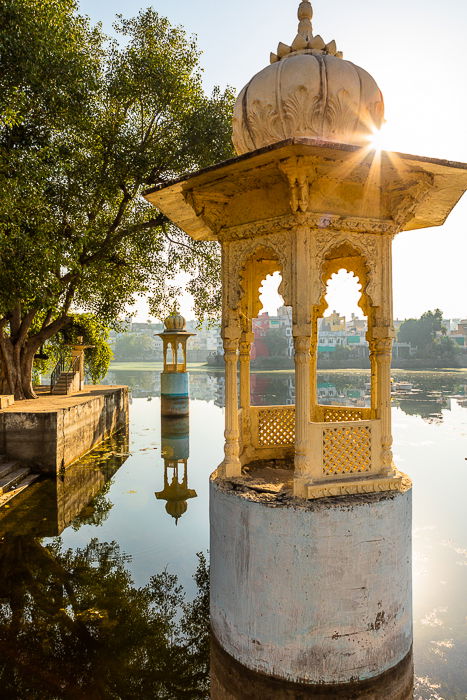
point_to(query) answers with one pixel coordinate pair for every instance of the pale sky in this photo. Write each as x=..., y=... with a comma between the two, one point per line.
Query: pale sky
x=415, y=50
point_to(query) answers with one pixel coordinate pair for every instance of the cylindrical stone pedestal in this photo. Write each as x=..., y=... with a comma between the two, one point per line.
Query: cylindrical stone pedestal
x=314, y=592
x=175, y=391
x=175, y=437
x=232, y=681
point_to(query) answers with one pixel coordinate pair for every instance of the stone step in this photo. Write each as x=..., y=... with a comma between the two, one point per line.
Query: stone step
x=19, y=488
x=7, y=467
x=12, y=479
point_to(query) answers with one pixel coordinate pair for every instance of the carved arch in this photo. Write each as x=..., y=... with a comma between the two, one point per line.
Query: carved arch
x=255, y=269
x=250, y=262
x=368, y=246
x=348, y=256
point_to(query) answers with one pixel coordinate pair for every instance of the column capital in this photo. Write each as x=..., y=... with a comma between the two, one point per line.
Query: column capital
x=380, y=346
x=231, y=331
x=230, y=345
x=382, y=332
x=246, y=339
x=302, y=345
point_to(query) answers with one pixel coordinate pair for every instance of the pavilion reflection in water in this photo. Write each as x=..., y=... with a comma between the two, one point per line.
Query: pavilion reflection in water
x=175, y=448
x=73, y=624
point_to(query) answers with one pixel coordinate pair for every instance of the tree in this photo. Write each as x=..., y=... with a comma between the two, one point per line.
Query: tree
x=74, y=625
x=420, y=333
x=276, y=342
x=86, y=125
x=428, y=335
x=135, y=346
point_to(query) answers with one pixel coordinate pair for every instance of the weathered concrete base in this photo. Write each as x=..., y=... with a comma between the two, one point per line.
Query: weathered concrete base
x=311, y=591
x=50, y=432
x=175, y=391
x=232, y=681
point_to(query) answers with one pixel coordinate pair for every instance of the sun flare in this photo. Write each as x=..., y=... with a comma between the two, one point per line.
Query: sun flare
x=378, y=139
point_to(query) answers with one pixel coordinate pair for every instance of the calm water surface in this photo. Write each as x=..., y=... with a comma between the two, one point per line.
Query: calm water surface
x=102, y=594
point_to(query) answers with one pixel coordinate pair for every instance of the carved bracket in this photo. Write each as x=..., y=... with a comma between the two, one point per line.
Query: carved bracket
x=300, y=173
x=209, y=206
x=404, y=201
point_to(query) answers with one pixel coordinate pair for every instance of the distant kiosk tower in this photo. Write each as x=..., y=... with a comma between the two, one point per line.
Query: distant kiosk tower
x=311, y=573
x=174, y=378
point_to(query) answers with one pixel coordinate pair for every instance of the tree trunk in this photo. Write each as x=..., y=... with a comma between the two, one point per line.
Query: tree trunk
x=17, y=361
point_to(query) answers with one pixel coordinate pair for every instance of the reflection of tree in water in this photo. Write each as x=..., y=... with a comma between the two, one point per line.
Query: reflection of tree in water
x=345, y=382
x=73, y=625
x=142, y=383
x=270, y=389
x=96, y=512
x=431, y=394
x=430, y=411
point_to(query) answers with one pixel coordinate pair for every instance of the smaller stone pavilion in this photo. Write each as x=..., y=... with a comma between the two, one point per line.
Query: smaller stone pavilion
x=311, y=577
x=175, y=392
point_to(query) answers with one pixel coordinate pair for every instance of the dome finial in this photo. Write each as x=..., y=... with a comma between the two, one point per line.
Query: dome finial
x=305, y=13
x=305, y=41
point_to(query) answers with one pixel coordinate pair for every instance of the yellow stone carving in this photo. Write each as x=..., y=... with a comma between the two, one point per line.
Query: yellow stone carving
x=307, y=91
x=308, y=208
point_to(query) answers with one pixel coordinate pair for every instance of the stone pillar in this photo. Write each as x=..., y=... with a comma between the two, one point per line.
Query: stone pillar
x=245, y=350
x=313, y=368
x=302, y=344
x=373, y=376
x=380, y=352
x=78, y=351
x=245, y=396
x=231, y=463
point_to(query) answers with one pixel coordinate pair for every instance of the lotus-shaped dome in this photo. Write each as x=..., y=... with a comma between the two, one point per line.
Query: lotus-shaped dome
x=308, y=91
x=175, y=322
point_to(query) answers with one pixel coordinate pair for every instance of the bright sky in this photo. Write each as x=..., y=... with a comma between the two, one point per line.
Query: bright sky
x=414, y=49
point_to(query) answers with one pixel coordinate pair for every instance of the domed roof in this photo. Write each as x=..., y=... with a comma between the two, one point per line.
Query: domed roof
x=308, y=91
x=175, y=322
x=176, y=508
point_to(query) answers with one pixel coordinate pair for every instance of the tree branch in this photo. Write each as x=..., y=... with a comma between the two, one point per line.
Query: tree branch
x=185, y=245
x=155, y=222
x=47, y=318
x=15, y=321
x=25, y=326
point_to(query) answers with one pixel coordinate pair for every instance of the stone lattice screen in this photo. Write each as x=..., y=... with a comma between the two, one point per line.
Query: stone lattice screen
x=346, y=450
x=276, y=426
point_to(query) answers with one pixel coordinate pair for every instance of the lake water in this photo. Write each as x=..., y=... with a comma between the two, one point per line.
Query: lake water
x=98, y=599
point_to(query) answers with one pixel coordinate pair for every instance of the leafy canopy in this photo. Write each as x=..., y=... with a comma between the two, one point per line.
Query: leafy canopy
x=86, y=125
x=428, y=335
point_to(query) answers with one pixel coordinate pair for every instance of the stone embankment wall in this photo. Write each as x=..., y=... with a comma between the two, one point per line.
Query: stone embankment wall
x=50, y=436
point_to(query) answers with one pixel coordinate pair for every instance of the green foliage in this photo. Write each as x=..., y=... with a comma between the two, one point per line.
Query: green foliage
x=341, y=353
x=87, y=124
x=421, y=332
x=428, y=335
x=77, y=619
x=276, y=342
x=94, y=332
x=134, y=347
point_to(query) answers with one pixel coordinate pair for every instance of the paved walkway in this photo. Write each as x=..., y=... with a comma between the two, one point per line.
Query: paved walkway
x=47, y=402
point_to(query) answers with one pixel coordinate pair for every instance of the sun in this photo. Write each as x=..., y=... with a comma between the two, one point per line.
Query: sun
x=377, y=140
